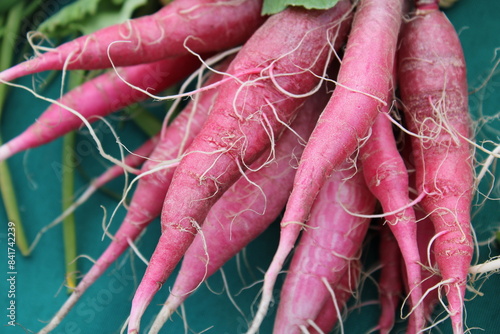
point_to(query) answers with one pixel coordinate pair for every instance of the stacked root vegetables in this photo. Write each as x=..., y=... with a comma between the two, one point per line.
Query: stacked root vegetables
x=300, y=111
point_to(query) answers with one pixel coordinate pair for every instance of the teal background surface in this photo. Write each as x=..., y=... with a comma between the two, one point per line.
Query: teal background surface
x=104, y=307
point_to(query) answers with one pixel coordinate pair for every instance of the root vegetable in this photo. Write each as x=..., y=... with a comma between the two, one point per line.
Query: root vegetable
x=243, y=212
x=246, y=119
x=201, y=25
x=364, y=81
x=433, y=85
x=327, y=247
x=98, y=98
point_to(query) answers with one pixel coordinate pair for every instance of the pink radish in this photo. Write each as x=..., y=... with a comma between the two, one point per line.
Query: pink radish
x=387, y=178
x=329, y=314
x=425, y=233
x=433, y=85
x=198, y=25
x=246, y=119
x=364, y=81
x=243, y=212
x=430, y=279
x=148, y=197
x=390, y=282
x=333, y=238
x=99, y=97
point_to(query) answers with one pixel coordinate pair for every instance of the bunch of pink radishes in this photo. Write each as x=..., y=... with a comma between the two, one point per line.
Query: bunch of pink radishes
x=322, y=113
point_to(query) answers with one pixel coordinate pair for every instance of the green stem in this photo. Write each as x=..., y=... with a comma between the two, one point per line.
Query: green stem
x=144, y=119
x=69, y=229
x=12, y=27
x=11, y=32
x=68, y=190
x=11, y=207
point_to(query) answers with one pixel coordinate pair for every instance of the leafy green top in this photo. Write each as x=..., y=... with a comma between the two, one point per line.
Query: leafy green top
x=87, y=16
x=274, y=6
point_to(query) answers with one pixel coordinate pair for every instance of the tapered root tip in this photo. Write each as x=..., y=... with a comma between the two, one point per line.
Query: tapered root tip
x=45, y=62
x=261, y=312
x=457, y=322
x=456, y=297
x=21, y=142
x=458, y=329
x=290, y=231
x=165, y=313
x=269, y=282
x=12, y=73
x=63, y=311
x=136, y=312
x=5, y=152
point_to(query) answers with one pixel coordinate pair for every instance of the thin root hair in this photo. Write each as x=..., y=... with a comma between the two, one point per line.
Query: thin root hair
x=180, y=95
x=31, y=35
x=161, y=166
x=382, y=215
x=314, y=326
x=336, y=305
x=69, y=210
x=83, y=119
x=226, y=287
x=137, y=251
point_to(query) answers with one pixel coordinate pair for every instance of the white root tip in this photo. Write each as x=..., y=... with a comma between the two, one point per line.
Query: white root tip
x=287, y=241
x=139, y=305
x=486, y=267
x=261, y=312
x=165, y=313
x=267, y=290
x=63, y=311
x=5, y=152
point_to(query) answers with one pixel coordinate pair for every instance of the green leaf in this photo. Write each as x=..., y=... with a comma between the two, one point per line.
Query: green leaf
x=275, y=6
x=87, y=16
x=6, y=5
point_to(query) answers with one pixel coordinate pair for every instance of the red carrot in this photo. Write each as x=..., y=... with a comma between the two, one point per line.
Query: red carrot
x=100, y=97
x=387, y=177
x=200, y=25
x=334, y=237
x=433, y=85
x=148, y=197
x=364, y=81
x=245, y=121
x=243, y=212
